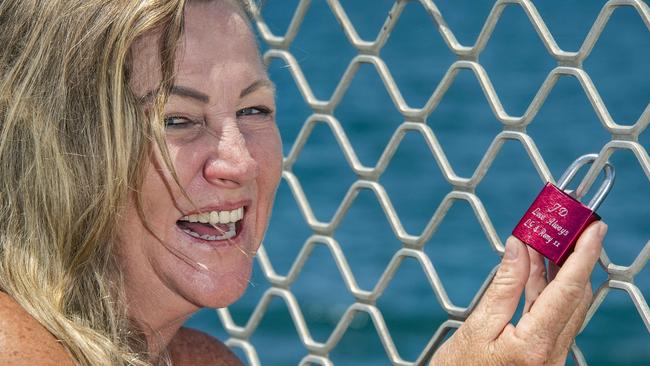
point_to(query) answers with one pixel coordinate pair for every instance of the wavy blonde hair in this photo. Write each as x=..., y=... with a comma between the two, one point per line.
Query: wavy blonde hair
x=73, y=143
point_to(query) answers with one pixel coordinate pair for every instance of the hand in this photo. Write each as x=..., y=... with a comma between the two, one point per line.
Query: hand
x=552, y=316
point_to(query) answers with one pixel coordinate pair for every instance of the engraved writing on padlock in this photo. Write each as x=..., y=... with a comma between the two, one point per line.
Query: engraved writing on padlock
x=556, y=218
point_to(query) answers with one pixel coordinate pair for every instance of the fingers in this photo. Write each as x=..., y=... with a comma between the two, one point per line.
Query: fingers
x=553, y=308
x=578, y=267
x=536, y=278
x=553, y=269
x=500, y=300
x=556, y=310
x=561, y=350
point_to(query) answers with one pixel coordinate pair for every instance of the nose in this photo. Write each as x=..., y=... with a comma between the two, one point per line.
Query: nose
x=230, y=163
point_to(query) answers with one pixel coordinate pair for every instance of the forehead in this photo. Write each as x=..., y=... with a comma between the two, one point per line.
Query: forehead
x=217, y=45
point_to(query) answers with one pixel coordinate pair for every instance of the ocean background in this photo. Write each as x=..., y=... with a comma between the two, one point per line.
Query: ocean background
x=517, y=63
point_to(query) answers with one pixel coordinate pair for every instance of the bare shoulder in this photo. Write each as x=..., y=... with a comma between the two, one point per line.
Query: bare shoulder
x=24, y=341
x=193, y=347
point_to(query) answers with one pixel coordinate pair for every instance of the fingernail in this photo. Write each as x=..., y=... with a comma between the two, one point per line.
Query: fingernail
x=602, y=230
x=512, y=249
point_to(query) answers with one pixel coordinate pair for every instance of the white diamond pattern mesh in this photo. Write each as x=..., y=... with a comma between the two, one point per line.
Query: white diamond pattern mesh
x=462, y=188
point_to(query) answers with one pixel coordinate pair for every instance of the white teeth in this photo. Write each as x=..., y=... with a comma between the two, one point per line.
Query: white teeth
x=216, y=217
x=224, y=217
x=204, y=218
x=213, y=218
x=232, y=231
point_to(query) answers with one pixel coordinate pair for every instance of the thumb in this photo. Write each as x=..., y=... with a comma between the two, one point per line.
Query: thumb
x=500, y=300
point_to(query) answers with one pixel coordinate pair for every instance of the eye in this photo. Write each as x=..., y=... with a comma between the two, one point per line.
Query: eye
x=177, y=122
x=254, y=111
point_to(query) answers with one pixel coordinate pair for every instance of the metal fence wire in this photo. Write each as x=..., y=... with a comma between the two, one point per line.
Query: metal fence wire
x=461, y=188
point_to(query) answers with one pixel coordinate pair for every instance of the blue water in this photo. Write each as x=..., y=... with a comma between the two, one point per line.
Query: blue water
x=565, y=128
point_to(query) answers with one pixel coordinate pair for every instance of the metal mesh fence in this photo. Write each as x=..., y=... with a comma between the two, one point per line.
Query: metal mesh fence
x=623, y=137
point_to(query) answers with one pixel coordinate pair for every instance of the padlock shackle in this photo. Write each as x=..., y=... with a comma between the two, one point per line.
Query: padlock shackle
x=604, y=189
x=572, y=170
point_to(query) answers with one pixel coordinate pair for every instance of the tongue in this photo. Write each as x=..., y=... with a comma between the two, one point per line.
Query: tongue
x=204, y=229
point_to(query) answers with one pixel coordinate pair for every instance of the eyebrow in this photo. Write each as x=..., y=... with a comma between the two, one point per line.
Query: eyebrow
x=258, y=84
x=187, y=92
x=180, y=91
x=190, y=93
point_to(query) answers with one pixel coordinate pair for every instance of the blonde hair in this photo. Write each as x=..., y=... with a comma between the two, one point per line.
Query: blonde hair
x=73, y=141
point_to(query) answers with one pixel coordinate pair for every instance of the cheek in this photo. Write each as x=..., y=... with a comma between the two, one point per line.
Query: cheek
x=154, y=199
x=158, y=195
x=268, y=153
x=160, y=185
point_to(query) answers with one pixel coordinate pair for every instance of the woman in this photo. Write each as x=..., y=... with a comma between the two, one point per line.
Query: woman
x=139, y=160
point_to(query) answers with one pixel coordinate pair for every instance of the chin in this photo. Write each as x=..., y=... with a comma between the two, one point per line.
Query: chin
x=215, y=289
x=210, y=273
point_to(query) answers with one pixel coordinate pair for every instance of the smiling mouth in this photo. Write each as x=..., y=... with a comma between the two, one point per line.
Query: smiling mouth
x=213, y=225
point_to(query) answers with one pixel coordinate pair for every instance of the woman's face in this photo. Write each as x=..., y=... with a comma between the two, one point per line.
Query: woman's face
x=226, y=150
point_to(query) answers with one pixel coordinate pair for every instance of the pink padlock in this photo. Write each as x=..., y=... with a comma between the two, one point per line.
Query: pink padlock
x=556, y=218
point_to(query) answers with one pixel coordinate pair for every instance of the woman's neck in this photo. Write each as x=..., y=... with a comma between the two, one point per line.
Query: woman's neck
x=157, y=311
